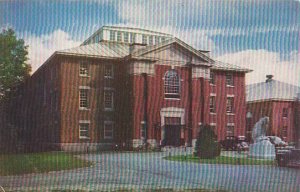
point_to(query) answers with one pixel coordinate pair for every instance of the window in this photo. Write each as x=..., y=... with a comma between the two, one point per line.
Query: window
x=132, y=37
x=285, y=112
x=212, y=78
x=229, y=80
x=84, y=129
x=172, y=84
x=156, y=40
x=126, y=37
x=112, y=35
x=83, y=98
x=144, y=40
x=229, y=130
x=108, y=71
x=97, y=38
x=108, y=100
x=83, y=69
x=212, y=104
x=108, y=129
x=119, y=36
x=150, y=40
x=284, y=132
x=229, y=105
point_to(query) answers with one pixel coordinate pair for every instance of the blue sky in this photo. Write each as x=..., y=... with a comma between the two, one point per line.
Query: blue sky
x=262, y=35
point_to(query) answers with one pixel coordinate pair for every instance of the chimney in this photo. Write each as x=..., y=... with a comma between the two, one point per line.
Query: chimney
x=269, y=78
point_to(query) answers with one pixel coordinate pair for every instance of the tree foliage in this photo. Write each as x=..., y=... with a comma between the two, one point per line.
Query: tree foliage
x=13, y=58
x=207, y=145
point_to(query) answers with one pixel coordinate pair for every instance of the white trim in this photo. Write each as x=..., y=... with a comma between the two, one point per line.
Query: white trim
x=84, y=87
x=84, y=121
x=230, y=124
x=213, y=124
x=230, y=95
x=213, y=94
x=172, y=112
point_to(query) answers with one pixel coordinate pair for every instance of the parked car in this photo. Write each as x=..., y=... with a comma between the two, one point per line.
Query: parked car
x=235, y=143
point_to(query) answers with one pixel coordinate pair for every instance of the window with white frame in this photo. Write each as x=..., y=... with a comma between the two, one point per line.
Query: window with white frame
x=230, y=130
x=229, y=80
x=108, y=130
x=119, y=36
x=108, y=100
x=144, y=39
x=83, y=69
x=108, y=71
x=83, y=98
x=229, y=105
x=156, y=40
x=132, y=37
x=126, y=37
x=212, y=104
x=112, y=35
x=284, y=132
x=150, y=40
x=84, y=127
x=212, y=78
x=172, y=84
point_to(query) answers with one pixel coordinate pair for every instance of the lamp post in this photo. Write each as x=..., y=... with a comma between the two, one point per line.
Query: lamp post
x=248, y=132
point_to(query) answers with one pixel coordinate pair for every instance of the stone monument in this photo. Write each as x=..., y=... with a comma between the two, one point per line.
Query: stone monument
x=262, y=148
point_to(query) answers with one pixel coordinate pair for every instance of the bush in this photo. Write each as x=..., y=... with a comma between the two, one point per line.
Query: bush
x=207, y=145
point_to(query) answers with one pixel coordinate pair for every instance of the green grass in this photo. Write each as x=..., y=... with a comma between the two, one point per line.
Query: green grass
x=14, y=164
x=221, y=160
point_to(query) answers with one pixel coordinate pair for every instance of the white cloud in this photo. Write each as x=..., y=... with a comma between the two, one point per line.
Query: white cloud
x=264, y=62
x=42, y=47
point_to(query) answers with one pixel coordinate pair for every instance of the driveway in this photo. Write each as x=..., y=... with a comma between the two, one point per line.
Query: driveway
x=142, y=171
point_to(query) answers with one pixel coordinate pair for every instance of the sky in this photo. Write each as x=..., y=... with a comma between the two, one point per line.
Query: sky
x=262, y=35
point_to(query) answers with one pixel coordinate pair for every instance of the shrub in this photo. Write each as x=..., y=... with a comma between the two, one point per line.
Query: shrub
x=207, y=145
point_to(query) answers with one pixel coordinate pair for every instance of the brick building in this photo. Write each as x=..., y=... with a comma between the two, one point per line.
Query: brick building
x=128, y=85
x=280, y=102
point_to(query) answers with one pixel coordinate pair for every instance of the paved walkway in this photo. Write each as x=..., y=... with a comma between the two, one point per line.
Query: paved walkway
x=143, y=171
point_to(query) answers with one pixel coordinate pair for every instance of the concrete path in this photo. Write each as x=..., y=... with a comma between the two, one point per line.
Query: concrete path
x=142, y=171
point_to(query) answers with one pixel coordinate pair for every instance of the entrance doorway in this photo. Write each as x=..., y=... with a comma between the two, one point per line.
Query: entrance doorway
x=172, y=131
x=172, y=135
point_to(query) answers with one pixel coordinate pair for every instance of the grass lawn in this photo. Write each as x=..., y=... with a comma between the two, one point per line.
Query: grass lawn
x=14, y=164
x=221, y=160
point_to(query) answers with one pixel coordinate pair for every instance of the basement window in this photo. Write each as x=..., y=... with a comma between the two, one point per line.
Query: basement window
x=84, y=130
x=108, y=130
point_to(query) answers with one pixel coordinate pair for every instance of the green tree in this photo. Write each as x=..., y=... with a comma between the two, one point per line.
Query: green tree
x=207, y=145
x=13, y=58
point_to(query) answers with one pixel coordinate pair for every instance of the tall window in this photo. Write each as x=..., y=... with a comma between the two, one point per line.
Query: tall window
x=84, y=69
x=212, y=104
x=84, y=130
x=119, y=36
x=229, y=130
x=229, y=105
x=112, y=35
x=83, y=98
x=150, y=40
x=108, y=100
x=108, y=71
x=126, y=37
x=156, y=40
x=132, y=37
x=172, y=84
x=108, y=130
x=284, y=132
x=212, y=78
x=285, y=112
x=229, y=80
x=144, y=40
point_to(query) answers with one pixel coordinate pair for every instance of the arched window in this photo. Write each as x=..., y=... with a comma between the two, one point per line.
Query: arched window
x=172, y=84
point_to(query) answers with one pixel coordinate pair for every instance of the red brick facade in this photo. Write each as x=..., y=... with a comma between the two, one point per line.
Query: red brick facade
x=49, y=104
